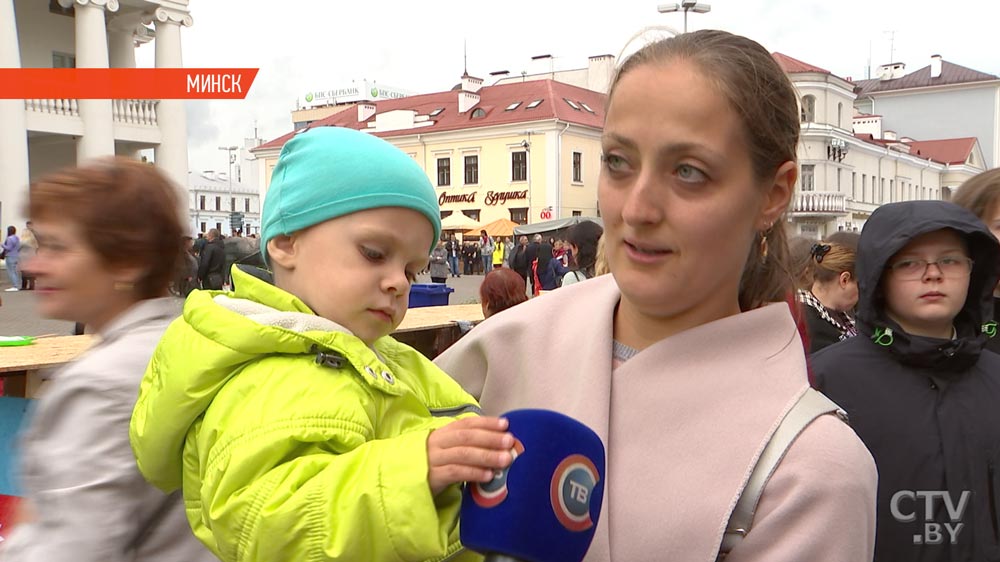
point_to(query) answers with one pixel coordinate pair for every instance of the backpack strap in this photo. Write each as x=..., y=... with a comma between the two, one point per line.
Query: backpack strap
x=810, y=406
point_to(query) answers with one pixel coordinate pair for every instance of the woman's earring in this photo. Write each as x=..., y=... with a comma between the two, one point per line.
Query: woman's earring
x=763, y=244
x=123, y=286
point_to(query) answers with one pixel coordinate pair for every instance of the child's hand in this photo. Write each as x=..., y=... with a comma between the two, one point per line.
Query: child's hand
x=467, y=450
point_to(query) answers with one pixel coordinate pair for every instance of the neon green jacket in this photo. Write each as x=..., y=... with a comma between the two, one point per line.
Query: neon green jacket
x=291, y=439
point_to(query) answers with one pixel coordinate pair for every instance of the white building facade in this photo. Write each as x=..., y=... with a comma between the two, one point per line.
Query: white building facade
x=849, y=166
x=213, y=200
x=42, y=135
x=940, y=100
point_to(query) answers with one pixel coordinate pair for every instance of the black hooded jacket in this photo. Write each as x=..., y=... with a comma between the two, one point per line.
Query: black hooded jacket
x=928, y=409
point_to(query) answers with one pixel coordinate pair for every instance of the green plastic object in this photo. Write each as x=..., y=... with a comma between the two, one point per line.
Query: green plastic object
x=15, y=341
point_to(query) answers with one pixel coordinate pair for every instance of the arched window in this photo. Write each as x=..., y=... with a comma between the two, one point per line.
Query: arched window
x=808, y=114
x=478, y=112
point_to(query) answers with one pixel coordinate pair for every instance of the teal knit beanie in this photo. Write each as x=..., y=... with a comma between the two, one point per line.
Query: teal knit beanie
x=328, y=172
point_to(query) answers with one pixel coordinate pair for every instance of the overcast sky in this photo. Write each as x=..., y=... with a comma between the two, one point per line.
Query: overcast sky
x=305, y=45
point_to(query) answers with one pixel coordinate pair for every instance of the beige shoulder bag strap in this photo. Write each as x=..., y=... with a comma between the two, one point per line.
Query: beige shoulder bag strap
x=810, y=406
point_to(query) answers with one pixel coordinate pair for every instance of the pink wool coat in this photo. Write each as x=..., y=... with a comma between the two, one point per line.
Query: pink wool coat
x=683, y=422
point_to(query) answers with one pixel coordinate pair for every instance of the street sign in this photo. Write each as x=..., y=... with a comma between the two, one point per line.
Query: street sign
x=236, y=221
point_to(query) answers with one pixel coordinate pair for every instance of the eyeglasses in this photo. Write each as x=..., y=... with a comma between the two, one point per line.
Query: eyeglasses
x=951, y=266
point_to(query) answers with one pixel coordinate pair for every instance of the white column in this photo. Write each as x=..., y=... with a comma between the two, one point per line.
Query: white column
x=171, y=156
x=121, y=40
x=13, y=131
x=92, y=52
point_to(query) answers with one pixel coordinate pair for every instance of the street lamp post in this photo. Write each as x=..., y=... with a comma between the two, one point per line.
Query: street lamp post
x=685, y=6
x=232, y=203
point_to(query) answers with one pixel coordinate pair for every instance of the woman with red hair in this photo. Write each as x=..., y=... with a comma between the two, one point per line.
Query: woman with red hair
x=501, y=289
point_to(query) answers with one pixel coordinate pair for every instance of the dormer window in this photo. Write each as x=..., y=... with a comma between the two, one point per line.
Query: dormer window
x=587, y=107
x=436, y=112
x=534, y=104
x=572, y=104
x=512, y=106
x=478, y=113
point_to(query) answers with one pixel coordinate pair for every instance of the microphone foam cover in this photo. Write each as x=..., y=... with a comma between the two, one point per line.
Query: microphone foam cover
x=545, y=506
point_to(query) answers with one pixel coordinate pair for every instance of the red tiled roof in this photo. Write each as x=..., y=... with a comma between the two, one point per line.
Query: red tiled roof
x=946, y=151
x=791, y=65
x=493, y=100
x=950, y=74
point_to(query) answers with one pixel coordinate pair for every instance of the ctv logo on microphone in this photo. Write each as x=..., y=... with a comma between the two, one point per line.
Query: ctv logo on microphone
x=494, y=492
x=905, y=505
x=572, y=487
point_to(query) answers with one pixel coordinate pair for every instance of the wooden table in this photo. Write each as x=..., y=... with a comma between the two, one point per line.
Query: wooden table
x=430, y=330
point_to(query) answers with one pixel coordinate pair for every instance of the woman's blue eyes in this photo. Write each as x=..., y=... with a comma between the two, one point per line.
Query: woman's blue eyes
x=690, y=174
x=684, y=172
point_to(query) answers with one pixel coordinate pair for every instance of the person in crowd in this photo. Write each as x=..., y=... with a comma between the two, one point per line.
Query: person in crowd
x=477, y=259
x=212, y=262
x=499, y=255
x=559, y=252
x=508, y=250
x=439, y=263
x=919, y=387
x=981, y=195
x=828, y=304
x=11, y=252
x=531, y=254
x=800, y=260
x=454, y=250
x=186, y=278
x=469, y=258
x=299, y=429
x=845, y=238
x=29, y=245
x=199, y=243
x=582, y=239
x=692, y=355
x=108, y=245
x=519, y=258
x=548, y=270
x=501, y=289
x=486, y=248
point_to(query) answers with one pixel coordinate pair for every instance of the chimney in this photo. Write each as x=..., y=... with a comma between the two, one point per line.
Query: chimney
x=889, y=135
x=891, y=71
x=600, y=69
x=935, y=66
x=471, y=83
x=365, y=111
x=467, y=100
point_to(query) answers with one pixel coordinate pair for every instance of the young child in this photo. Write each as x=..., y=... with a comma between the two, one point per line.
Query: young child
x=296, y=427
x=919, y=388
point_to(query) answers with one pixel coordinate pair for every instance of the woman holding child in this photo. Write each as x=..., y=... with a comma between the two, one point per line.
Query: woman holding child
x=687, y=356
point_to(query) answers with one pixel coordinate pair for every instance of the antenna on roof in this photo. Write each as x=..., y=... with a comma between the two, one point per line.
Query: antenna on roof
x=892, y=44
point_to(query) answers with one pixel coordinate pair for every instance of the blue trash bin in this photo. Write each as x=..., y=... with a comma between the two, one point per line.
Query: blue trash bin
x=429, y=294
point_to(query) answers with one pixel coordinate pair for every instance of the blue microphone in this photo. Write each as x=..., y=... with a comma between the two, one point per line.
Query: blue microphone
x=544, y=507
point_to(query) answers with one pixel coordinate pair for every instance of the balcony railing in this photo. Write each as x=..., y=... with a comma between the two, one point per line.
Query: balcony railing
x=135, y=112
x=131, y=112
x=819, y=202
x=53, y=107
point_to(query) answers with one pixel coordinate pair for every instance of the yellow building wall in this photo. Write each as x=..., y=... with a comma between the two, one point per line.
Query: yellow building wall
x=580, y=196
x=495, y=172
